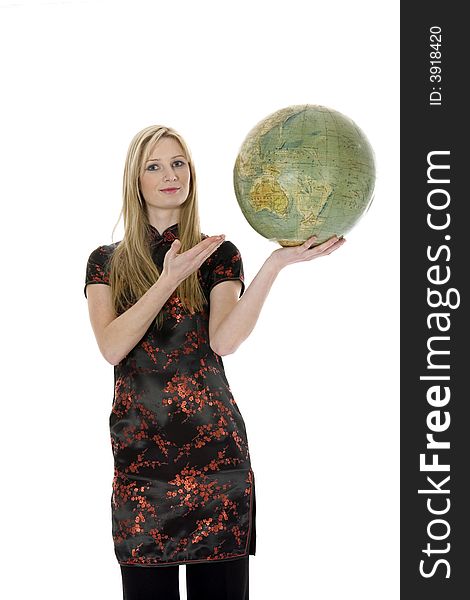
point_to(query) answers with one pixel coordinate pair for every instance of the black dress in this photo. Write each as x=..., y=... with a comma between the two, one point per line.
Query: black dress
x=183, y=486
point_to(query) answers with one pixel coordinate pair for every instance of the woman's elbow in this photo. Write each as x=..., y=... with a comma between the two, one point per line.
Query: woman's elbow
x=223, y=349
x=109, y=356
x=110, y=359
x=109, y=351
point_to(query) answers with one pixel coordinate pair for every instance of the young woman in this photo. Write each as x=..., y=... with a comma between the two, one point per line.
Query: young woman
x=167, y=303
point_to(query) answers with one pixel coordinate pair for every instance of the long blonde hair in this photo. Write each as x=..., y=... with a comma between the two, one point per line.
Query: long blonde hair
x=132, y=270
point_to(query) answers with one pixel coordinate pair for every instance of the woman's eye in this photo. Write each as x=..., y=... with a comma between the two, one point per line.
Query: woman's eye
x=178, y=163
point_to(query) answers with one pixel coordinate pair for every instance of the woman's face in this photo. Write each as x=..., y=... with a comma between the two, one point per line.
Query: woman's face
x=167, y=167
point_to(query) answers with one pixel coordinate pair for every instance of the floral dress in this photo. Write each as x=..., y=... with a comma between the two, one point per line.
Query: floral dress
x=183, y=489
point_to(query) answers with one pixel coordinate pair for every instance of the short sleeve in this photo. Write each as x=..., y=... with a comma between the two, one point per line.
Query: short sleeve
x=226, y=264
x=97, y=270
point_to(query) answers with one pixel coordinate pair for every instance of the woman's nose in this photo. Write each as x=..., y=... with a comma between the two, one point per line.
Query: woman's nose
x=169, y=175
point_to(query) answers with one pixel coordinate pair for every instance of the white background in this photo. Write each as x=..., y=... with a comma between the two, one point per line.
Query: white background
x=317, y=380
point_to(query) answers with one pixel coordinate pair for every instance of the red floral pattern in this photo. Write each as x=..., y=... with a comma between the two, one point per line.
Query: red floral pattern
x=183, y=489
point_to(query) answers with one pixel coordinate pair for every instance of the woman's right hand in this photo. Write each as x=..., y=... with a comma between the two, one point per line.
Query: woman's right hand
x=179, y=266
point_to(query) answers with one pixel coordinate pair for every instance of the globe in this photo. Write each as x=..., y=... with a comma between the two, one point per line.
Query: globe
x=304, y=170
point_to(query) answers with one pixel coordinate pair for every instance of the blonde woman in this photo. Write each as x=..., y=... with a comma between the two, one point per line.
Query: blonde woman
x=167, y=302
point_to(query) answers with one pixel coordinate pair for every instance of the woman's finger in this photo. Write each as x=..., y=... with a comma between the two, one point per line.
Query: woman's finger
x=208, y=245
x=328, y=249
x=195, y=256
x=210, y=249
x=326, y=244
x=174, y=248
x=308, y=242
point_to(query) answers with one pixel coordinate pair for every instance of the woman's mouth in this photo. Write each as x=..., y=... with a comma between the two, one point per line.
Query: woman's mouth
x=170, y=190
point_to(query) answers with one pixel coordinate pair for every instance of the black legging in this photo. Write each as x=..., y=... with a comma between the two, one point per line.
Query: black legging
x=223, y=580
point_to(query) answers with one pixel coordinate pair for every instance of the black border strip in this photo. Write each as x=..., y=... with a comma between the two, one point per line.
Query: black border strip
x=435, y=556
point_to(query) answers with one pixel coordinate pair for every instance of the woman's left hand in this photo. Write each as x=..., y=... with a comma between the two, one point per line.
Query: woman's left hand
x=292, y=254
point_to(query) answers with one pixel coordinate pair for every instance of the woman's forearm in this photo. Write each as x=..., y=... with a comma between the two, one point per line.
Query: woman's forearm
x=239, y=323
x=123, y=333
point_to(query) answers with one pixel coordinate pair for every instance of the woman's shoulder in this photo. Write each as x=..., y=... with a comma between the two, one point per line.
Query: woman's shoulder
x=225, y=262
x=97, y=268
x=104, y=251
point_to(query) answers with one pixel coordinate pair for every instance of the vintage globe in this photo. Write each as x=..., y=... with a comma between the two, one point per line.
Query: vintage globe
x=304, y=170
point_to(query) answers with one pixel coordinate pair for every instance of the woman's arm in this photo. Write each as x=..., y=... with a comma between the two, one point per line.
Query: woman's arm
x=232, y=319
x=117, y=336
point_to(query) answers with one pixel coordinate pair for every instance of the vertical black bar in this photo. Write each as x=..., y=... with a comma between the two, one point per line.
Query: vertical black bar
x=434, y=260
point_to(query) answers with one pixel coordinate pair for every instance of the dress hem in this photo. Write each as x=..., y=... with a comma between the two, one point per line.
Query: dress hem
x=250, y=542
x=187, y=562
